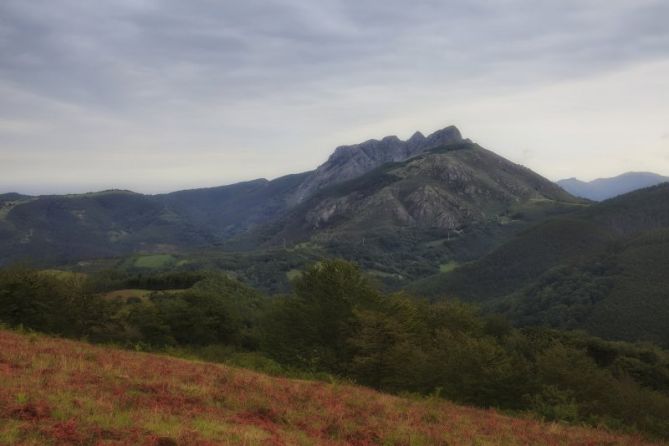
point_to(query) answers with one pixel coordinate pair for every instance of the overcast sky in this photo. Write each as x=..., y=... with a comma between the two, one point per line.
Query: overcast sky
x=158, y=95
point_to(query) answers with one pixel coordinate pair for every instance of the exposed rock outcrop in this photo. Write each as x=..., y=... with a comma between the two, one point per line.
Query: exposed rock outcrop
x=453, y=186
x=348, y=162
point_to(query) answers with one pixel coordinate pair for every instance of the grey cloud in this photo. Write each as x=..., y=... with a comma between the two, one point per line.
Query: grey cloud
x=204, y=68
x=114, y=53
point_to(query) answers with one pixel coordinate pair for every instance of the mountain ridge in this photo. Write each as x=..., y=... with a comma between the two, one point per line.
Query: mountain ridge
x=604, y=188
x=417, y=201
x=350, y=161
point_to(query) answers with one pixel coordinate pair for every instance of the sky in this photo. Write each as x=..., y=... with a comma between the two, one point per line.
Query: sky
x=161, y=95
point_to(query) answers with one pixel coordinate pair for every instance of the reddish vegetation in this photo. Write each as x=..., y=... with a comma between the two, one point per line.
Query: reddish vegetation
x=56, y=392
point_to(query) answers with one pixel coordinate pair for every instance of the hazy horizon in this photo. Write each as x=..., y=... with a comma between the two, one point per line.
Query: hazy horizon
x=159, y=96
x=63, y=189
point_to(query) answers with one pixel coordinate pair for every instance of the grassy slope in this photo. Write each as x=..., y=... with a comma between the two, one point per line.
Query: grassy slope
x=63, y=392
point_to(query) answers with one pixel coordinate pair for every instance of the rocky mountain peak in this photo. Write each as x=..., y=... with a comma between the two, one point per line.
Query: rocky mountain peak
x=416, y=139
x=351, y=161
x=367, y=148
x=446, y=135
x=391, y=139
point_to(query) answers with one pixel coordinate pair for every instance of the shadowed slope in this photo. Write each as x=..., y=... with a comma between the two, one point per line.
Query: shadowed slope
x=604, y=269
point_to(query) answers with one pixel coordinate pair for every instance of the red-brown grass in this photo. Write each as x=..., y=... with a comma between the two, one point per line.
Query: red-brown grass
x=59, y=392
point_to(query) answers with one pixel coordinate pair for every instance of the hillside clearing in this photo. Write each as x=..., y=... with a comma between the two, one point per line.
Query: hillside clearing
x=154, y=261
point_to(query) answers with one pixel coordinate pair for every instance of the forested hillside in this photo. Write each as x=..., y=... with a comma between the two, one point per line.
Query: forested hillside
x=50, y=230
x=605, y=269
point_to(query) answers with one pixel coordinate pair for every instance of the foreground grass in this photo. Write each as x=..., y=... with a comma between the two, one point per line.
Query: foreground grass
x=58, y=392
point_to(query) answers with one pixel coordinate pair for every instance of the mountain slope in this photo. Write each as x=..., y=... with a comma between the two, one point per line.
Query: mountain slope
x=63, y=392
x=604, y=269
x=619, y=294
x=519, y=262
x=71, y=227
x=229, y=210
x=450, y=195
x=605, y=188
x=53, y=229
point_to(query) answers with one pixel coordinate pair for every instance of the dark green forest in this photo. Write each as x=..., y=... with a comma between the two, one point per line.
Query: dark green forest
x=604, y=269
x=336, y=323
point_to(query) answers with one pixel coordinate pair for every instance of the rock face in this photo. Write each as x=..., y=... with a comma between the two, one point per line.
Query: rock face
x=348, y=162
x=447, y=188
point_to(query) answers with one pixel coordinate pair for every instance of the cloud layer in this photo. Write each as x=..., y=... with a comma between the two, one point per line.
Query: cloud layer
x=156, y=95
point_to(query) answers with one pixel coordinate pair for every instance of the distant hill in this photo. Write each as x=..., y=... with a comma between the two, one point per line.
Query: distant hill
x=63, y=392
x=388, y=194
x=9, y=197
x=67, y=228
x=604, y=268
x=605, y=188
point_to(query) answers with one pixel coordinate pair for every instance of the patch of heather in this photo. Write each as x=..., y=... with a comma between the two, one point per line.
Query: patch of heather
x=58, y=392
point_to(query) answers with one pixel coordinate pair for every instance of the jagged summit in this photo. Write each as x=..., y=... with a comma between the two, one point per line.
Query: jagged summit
x=350, y=161
x=446, y=135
